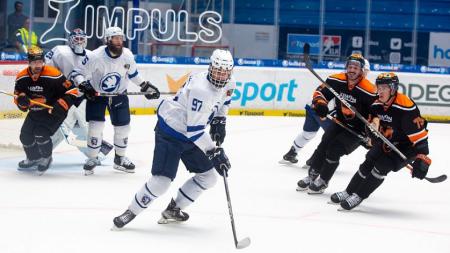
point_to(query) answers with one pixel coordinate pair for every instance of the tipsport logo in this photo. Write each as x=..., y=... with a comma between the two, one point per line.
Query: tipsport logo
x=246, y=92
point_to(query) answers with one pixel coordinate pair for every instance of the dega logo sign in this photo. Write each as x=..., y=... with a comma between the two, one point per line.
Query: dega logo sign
x=97, y=19
x=427, y=94
x=439, y=49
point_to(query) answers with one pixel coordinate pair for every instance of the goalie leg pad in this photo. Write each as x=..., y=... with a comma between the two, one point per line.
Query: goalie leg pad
x=155, y=187
x=194, y=187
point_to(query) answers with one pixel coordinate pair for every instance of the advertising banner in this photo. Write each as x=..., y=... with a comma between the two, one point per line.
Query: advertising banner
x=439, y=49
x=263, y=89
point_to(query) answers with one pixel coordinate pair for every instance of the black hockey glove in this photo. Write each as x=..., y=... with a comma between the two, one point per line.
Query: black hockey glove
x=60, y=109
x=23, y=102
x=147, y=86
x=219, y=160
x=88, y=90
x=217, y=129
x=420, y=166
x=320, y=106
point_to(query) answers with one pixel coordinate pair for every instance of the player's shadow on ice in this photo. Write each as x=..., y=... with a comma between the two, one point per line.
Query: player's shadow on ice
x=386, y=212
x=179, y=229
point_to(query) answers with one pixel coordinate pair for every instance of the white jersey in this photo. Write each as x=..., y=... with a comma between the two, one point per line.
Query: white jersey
x=107, y=73
x=186, y=115
x=64, y=59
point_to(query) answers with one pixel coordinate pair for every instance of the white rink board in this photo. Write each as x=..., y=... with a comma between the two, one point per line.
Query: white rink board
x=268, y=88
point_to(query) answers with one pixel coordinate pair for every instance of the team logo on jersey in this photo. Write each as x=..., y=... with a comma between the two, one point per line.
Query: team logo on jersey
x=126, y=66
x=110, y=82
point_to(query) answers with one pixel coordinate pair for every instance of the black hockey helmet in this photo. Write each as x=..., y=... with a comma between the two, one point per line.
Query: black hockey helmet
x=390, y=79
x=35, y=53
x=358, y=58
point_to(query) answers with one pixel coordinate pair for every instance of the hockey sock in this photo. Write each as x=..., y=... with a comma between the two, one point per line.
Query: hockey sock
x=194, y=187
x=372, y=182
x=155, y=187
x=45, y=145
x=364, y=169
x=302, y=139
x=95, y=136
x=32, y=151
x=121, y=139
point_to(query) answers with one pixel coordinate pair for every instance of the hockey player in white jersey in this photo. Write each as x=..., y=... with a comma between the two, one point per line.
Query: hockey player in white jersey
x=74, y=127
x=110, y=69
x=180, y=135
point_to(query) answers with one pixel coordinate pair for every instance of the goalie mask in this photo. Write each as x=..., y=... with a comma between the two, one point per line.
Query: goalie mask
x=78, y=41
x=220, y=68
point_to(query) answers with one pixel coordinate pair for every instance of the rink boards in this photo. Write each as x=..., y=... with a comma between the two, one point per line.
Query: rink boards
x=261, y=91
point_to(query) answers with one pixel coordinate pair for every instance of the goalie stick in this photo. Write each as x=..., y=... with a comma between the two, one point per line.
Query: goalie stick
x=307, y=60
x=113, y=94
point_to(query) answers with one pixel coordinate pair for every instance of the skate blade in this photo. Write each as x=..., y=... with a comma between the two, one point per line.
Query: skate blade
x=244, y=243
x=286, y=162
x=31, y=169
x=164, y=221
x=88, y=172
x=115, y=228
x=332, y=203
x=305, y=167
x=340, y=209
x=310, y=192
x=299, y=189
x=120, y=168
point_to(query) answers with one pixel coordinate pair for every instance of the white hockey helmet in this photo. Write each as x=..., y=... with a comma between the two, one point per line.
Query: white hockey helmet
x=220, y=68
x=113, y=31
x=366, y=68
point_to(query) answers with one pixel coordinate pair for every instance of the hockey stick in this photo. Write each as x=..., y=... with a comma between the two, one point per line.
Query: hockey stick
x=113, y=94
x=31, y=100
x=308, y=65
x=246, y=241
x=437, y=179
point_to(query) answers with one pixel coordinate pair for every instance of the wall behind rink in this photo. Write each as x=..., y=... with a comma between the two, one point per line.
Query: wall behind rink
x=261, y=90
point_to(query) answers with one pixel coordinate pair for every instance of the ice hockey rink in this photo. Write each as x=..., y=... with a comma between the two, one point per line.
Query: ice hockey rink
x=65, y=211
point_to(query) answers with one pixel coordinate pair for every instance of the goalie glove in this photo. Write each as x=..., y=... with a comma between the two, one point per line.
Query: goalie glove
x=147, y=86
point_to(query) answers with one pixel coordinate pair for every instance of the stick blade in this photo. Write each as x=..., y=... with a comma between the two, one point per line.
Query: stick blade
x=244, y=243
x=439, y=179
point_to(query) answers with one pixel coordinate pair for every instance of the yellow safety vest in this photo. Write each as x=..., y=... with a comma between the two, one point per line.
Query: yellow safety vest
x=25, y=37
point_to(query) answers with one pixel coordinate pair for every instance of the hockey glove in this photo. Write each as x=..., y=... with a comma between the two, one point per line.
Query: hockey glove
x=88, y=90
x=217, y=129
x=23, y=102
x=219, y=160
x=60, y=109
x=147, y=86
x=420, y=166
x=320, y=106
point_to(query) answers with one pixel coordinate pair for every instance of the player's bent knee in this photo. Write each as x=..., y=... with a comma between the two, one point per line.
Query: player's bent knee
x=206, y=179
x=158, y=185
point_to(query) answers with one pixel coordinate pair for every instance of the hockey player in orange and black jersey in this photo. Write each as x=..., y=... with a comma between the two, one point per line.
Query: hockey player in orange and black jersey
x=47, y=85
x=398, y=119
x=353, y=87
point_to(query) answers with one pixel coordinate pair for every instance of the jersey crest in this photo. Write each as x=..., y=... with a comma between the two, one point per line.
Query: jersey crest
x=110, y=82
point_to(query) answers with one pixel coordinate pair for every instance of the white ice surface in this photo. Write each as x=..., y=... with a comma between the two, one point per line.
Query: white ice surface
x=64, y=211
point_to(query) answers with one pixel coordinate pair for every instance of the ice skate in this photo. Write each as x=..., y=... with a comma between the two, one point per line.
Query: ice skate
x=317, y=187
x=89, y=166
x=26, y=164
x=337, y=197
x=303, y=184
x=290, y=157
x=122, y=163
x=44, y=164
x=173, y=214
x=123, y=219
x=351, y=202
